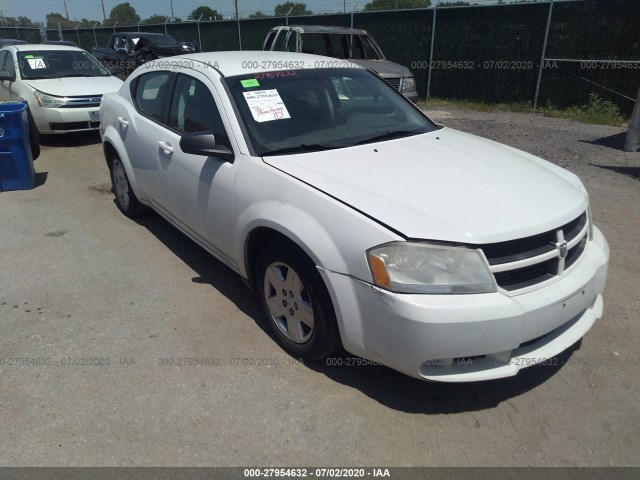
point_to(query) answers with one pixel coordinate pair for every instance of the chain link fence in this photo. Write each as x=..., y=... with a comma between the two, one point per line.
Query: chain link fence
x=564, y=50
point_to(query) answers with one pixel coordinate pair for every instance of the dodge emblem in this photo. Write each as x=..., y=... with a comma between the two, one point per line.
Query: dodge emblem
x=562, y=248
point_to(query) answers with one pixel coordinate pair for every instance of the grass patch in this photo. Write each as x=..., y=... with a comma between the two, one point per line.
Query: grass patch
x=597, y=111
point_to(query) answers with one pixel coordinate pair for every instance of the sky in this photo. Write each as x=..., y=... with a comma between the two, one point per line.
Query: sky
x=91, y=9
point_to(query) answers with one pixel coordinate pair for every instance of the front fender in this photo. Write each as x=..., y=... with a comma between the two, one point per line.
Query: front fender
x=290, y=221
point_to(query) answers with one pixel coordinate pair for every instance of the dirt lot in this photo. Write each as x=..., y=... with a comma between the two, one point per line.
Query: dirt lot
x=80, y=281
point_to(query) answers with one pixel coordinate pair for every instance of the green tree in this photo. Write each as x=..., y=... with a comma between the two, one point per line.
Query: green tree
x=297, y=8
x=54, y=18
x=258, y=14
x=25, y=22
x=207, y=13
x=86, y=23
x=155, y=19
x=124, y=14
x=395, y=4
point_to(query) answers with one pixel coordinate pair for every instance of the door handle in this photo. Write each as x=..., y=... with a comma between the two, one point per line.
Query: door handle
x=165, y=146
x=123, y=121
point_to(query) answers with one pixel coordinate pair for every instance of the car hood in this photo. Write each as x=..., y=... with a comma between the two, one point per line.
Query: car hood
x=385, y=68
x=445, y=185
x=165, y=50
x=76, y=86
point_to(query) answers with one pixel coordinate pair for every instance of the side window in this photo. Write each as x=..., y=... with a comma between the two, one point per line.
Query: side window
x=280, y=42
x=292, y=42
x=150, y=94
x=4, y=56
x=193, y=109
x=317, y=43
x=269, y=41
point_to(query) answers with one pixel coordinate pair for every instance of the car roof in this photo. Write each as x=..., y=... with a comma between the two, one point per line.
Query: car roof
x=249, y=62
x=321, y=29
x=143, y=34
x=42, y=47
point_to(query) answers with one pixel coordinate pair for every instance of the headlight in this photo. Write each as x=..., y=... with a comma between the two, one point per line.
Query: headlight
x=408, y=84
x=405, y=267
x=48, y=101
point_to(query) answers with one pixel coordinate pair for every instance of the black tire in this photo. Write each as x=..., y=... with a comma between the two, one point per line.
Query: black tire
x=126, y=200
x=293, y=333
x=34, y=137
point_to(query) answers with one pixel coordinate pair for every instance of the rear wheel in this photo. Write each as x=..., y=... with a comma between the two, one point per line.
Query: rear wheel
x=126, y=200
x=296, y=302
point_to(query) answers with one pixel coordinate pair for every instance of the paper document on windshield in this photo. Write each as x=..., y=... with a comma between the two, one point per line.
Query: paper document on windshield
x=266, y=105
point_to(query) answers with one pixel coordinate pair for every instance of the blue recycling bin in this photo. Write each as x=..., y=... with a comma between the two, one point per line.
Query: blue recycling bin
x=16, y=160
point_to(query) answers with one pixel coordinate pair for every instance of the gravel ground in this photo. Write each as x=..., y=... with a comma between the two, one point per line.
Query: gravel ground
x=79, y=280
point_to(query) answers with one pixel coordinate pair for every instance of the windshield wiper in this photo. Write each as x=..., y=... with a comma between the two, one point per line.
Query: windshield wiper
x=305, y=147
x=389, y=135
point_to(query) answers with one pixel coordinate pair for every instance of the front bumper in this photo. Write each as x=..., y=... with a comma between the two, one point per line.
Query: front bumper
x=461, y=338
x=65, y=120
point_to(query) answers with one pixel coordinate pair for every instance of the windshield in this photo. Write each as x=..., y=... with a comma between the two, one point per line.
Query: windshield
x=157, y=39
x=38, y=64
x=318, y=109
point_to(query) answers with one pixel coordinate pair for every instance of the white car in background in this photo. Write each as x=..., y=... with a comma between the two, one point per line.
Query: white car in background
x=359, y=222
x=62, y=85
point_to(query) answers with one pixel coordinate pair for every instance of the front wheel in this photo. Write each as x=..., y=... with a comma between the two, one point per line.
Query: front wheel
x=296, y=302
x=126, y=200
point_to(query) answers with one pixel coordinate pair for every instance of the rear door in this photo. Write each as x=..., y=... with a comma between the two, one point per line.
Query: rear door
x=141, y=129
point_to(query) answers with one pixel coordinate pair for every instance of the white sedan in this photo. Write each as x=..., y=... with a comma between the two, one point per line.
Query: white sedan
x=359, y=222
x=62, y=85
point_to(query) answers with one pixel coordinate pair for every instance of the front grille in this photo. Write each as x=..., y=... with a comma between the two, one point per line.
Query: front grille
x=524, y=262
x=526, y=276
x=394, y=82
x=83, y=102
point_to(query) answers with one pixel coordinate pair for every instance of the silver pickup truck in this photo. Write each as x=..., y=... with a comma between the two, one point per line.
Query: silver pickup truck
x=343, y=43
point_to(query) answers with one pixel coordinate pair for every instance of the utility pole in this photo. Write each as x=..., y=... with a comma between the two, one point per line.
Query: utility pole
x=633, y=135
x=104, y=15
x=237, y=17
x=65, y=9
x=172, y=15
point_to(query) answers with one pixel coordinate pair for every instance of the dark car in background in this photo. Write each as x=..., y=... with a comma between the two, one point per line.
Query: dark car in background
x=67, y=43
x=128, y=50
x=5, y=42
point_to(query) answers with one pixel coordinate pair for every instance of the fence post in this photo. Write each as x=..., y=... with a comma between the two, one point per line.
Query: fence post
x=633, y=134
x=433, y=39
x=239, y=34
x=78, y=34
x=353, y=10
x=165, y=25
x=95, y=39
x=542, y=57
x=199, y=38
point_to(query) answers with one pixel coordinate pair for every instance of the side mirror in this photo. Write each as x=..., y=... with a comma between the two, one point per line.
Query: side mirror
x=4, y=75
x=113, y=71
x=204, y=143
x=121, y=51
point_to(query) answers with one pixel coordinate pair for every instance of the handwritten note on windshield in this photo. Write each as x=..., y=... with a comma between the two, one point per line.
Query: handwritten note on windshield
x=266, y=105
